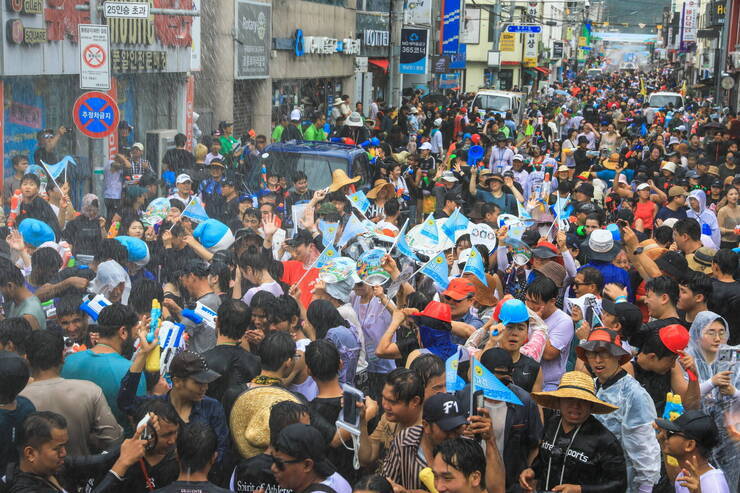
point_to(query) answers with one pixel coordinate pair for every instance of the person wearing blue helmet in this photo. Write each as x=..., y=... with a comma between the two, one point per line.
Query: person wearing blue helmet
x=511, y=333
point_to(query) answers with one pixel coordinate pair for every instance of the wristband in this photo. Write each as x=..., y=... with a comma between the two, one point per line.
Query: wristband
x=114, y=473
x=620, y=299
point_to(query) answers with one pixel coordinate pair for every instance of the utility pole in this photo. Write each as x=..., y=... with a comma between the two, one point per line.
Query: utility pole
x=394, y=74
x=495, y=18
x=721, y=60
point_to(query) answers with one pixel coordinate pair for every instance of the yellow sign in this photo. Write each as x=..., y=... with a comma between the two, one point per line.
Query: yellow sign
x=530, y=62
x=506, y=42
x=582, y=41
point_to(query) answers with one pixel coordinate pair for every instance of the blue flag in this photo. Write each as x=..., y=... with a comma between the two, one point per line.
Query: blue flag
x=430, y=229
x=453, y=381
x=328, y=232
x=404, y=247
x=326, y=256
x=490, y=385
x=57, y=169
x=437, y=269
x=359, y=201
x=195, y=211
x=456, y=222
x=475, y=266
x=353, y=228
x=524, y=215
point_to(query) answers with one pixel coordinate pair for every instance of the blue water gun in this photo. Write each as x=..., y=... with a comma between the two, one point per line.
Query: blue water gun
x=155, y=318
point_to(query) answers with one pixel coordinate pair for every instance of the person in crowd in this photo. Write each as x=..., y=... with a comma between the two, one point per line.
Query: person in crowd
x=20, y=301
x=14, y=408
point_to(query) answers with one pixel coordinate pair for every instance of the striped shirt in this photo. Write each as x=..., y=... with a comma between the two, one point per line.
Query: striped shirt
x=405, y=459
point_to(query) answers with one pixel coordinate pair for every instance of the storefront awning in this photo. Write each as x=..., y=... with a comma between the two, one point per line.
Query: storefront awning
x=544, y=70
x=380, y=62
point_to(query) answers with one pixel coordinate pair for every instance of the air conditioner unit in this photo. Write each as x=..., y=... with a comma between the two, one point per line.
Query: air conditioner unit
x=157, y=143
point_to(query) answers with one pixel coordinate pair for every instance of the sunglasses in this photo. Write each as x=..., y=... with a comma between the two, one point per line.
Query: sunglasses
x=452, y=300
x=670, y=434
x=280, y=463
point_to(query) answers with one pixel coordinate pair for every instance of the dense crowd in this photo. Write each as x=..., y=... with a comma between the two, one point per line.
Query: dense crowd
x=495, y=303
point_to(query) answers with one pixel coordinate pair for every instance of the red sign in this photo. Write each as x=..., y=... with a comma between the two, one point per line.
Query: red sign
x=189, y=101
x=113, y=137
x=94, y=56
x=96, y=114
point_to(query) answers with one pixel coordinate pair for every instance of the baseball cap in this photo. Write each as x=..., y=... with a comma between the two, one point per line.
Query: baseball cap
x=643, y=186
x=183, y=178
x=189, y=364
x=545, y=249
x=302, y=441
x=217, y=162
x=531, y=237
x=449, y=176
x=444, y=410
x=453, y=197
x=139, y=146
x=629, y=315
x=674, y=264
x=517, y=157
x=228, y=182
x=694, y=425
x=426, y=146
x=676, y=191
x=459, y=289
x=496, y=358
x=586, y=188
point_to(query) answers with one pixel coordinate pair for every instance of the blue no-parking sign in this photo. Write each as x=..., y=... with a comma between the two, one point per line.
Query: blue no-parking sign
x=96, y=114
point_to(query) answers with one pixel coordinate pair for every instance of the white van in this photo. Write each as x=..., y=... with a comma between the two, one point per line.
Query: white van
x=663, y=99
x=499, y=102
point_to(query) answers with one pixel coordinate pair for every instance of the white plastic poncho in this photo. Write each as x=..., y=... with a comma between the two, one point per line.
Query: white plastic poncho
x=717, y=405
x=632, y=424
x=109, y=276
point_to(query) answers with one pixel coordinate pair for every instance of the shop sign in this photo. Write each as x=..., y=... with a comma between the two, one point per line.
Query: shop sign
x=440, y=64
x=531, y=38
x=449, y=81
x=413, y=51
x=372, y=37
x=557, y=50
x=507, y=42
x=17, y=34
x=360, y=64
x=132, y=61
x=26, y=6
x=451, y=27
x=253, y=28
x=324, y=45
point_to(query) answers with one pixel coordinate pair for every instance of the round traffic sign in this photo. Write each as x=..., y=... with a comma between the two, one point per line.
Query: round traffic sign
x=727, y=82
x=96, y=114
x=94, y=56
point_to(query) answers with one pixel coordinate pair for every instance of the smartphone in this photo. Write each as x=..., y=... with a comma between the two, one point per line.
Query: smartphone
x=350, y=413
x=727, y=358
x=476, y=402
x=622, y=223
x=148, y=434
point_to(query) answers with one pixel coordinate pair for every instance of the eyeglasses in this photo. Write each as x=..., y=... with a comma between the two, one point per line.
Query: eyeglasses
x=452, y=300
x=280, y=463
x=715, y=333
x=584, y=284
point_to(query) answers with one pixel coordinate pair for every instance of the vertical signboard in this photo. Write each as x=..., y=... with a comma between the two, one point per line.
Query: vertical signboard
x=113, y=136
x=418, y=13
x=254, y=40
x=195, y=43
x=189, y=104
x=531, y=40
x=470, y=31
x=688, y=22
x=413, y=51
x=451, y=27
x=94, y=57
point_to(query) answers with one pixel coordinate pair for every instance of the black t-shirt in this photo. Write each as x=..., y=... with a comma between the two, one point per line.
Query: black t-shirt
x=724, y=301
x=178, y=159
x=192, y=487
x=160, y=475
x=254, y=474
x=657, y=385
x=235, y=365
x=324, y=415
x=48, y=157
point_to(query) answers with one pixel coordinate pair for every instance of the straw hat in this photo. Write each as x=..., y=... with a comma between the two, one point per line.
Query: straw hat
x=339, y=179
x=574, y=385
x=483, y=294
x=380, y=185
x=250, y=418
x=612, y=162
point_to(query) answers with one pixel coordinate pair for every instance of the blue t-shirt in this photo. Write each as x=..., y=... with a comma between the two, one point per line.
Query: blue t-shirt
x=612, y=273
x=10, y=424
x=106, y=370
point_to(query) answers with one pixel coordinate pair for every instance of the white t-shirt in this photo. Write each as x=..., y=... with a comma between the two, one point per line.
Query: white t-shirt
x=337, y=483
x=270, y=287
x=712, y=481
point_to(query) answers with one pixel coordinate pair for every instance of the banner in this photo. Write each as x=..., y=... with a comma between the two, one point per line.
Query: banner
x=418, y=13
x=688, y=22
x=413, y=51
x=470, y=31
x=451, y=27
x=254, y=40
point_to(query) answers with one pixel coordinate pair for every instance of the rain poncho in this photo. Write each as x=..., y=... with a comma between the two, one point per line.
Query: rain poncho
x=632, y=424
x=110, y=275
x=348, y=345
x=713, y=402
x=707, y=219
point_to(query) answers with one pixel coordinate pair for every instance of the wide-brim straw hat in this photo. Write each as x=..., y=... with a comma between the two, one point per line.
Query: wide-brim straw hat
x=380, y=185
x=574, y=385
x=339, y=179
x=250, y=418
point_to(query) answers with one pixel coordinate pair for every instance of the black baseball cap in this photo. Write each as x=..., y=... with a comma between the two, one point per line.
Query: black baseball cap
x=444, y=410
x=531, y=237
x=15, y=374
x=189, y=364
x=453, y=197
x=674, y=264
x=629, y=315
x=496, y=358
x=302, y=441
x=694, y=425
x=585, y=207
x=587, y=189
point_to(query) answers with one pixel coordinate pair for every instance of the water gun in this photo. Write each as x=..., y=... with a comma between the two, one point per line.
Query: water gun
x=673, y=406
x=15, y=207
x=201, y=315
x=172, y=337
x=113, y=230
x=93, y=305
x=50, y=309
x=426, y=476
x=152, y=360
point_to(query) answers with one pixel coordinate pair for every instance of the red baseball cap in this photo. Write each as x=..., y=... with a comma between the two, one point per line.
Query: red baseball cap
x=459, y=289
x=675, y=337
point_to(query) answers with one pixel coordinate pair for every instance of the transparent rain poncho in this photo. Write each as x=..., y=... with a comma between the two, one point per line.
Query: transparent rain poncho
x=110, y=275
x=726, y=455
x=632, y=424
